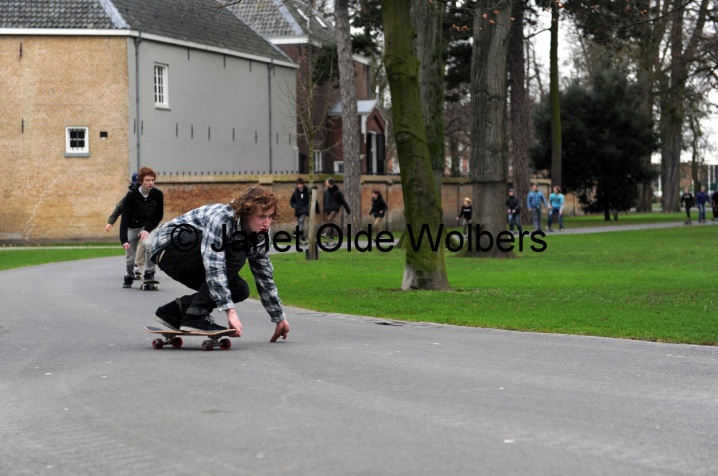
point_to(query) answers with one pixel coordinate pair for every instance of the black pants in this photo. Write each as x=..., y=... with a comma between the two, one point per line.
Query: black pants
x=187, y=268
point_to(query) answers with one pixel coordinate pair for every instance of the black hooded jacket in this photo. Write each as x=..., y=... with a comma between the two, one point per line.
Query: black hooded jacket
x=141, y=212
x=333, y=199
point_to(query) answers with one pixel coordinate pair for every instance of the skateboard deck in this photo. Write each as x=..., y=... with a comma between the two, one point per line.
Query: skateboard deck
x=173, y=338
x=150, y=285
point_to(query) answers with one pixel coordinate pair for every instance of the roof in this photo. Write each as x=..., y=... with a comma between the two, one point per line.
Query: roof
x=286, y=19
x=196, y=21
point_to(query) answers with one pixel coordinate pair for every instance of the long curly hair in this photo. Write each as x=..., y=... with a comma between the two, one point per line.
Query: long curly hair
x=246, y=203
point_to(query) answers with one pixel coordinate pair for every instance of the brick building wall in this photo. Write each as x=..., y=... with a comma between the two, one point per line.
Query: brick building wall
x=48, y=84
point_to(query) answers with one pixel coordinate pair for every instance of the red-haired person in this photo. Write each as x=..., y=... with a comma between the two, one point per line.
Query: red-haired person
x=204, y=249
x=142, y=211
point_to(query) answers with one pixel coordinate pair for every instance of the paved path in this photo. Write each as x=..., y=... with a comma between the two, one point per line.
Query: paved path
x=83, y=393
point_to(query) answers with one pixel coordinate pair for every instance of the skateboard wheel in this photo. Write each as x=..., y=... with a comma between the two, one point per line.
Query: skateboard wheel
x=157, y=344
x=176, y=342
x=207, y=345
x=225, y=344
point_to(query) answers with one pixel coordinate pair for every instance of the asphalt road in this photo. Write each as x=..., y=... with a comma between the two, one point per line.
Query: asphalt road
x=82, y=392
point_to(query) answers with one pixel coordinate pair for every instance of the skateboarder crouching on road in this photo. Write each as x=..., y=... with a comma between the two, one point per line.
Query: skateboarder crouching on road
x=205, y=248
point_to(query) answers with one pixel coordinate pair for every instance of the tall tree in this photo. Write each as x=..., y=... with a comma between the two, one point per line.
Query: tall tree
x=350, y=123
x=520, y=112
x=554, y=97
x=606, y=134
x=667, y=40
x=673, y=101
x=424, y=268
x=489, y=141
x=427, y=18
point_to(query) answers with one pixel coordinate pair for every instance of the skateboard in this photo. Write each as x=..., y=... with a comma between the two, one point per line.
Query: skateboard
x=173, y=338
x=150, y=285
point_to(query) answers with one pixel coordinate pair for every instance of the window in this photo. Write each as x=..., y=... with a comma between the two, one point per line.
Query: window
x=161, y=86
x=339, y=167
x=77, y=142
x=317, y=160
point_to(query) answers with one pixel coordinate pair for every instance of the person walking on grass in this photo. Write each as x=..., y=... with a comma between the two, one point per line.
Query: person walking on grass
x=300, y=203
x=513, y=209
x=714, y=204
x=142, y=211
x=534, y=201
x=464, y=217
x=378, y=210
x=687, y=200
x=333, y=200
x=555, y=208
x=701, y=200
x=205, y=249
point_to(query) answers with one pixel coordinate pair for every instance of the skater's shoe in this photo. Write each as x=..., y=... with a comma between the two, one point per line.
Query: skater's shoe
x=169, y=315
x=138, y=274
x=197, y=323
x=128, y=282
x=149, y=276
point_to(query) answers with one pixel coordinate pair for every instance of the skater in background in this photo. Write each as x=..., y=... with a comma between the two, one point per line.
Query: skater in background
x=112, y=219
x=142, y=211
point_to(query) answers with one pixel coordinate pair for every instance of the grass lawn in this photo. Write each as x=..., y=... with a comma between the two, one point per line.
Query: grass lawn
x=16, y=258
x=653, y=285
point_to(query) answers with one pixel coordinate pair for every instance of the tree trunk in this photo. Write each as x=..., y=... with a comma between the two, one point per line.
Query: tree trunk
x=673, y=101
x=350, y=121
x=520, y=110
x=646, y=67
x=556, y=156
x=313, y=252
x=427, y=19
x=489, y=151
x=424, y=268
x=672, y=119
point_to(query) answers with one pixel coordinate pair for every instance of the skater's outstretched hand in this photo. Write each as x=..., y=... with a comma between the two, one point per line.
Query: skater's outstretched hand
x=281, y=330
x=234, y=323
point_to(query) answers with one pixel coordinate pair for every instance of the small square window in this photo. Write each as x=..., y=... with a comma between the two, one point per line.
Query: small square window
x=77, y=142
x=161, y=86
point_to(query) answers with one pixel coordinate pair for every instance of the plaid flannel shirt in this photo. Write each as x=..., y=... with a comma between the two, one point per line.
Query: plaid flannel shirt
x=218, y=224
x=535, y=200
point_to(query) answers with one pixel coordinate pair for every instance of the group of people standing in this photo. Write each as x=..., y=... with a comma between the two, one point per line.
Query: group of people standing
x=535, y=201
x=700, y=200
x=333, y=201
